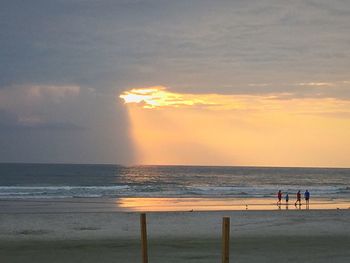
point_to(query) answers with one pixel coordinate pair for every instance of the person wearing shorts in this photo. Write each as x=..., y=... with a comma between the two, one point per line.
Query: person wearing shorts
x=287, y=198
x=307, y=197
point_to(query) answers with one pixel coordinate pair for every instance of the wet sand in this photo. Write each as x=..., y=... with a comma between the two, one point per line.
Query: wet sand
x=53, y=235
x=243, y=250
x=154, y=204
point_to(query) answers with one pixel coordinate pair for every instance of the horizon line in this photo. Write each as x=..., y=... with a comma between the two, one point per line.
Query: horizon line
x=181, y=165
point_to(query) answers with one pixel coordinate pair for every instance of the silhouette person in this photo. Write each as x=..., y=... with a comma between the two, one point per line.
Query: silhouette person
x=307, y=198
x=279, y=196
x=298, y=198
x=287, y=198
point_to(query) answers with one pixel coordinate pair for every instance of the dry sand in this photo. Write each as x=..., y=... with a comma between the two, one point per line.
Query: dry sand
x=256, y=236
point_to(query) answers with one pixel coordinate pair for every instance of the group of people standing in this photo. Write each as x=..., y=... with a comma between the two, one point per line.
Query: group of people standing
x=298, y=197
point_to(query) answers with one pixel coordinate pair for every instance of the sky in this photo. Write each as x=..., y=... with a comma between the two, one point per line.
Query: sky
x=261, y=82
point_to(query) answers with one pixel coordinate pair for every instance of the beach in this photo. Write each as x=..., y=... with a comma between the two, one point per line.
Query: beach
x=93, y=235
x=90, y=213
x=135, y=131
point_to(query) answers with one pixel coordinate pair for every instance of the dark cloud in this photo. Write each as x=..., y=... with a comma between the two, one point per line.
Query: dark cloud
x=204, y=44
x=62, y=124
x=9, y=122
x=191, y=46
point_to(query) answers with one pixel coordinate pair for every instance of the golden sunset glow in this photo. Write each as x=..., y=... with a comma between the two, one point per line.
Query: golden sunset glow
x=158, y=97
x=139, y=204
x=216, y=129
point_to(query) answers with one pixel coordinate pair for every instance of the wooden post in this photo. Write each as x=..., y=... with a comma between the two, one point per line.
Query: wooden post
x=144, y=238
x=226, y=240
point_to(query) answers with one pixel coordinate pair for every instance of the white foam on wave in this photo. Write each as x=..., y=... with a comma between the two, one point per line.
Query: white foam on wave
x=61, y=191
x=113, y=187
x=262, y=191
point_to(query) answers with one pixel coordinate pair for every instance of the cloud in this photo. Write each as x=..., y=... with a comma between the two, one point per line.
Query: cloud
x=26, y=106
x=317, y=84
x=259, y=84
x=35, y=93
x=55, y=92
x=31, y=95
x=187, y=45
x=62, y=123
x=337, y=89
x=11, y=122
x=246, y=48
x=21, y=125
x=159, y=97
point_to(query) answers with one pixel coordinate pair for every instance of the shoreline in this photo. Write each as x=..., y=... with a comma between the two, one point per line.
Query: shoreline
x=163, y=204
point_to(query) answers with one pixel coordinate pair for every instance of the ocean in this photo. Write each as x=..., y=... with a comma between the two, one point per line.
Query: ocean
x=28, y=181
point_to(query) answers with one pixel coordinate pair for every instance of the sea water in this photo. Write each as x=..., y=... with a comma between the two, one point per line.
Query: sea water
x=27, y=181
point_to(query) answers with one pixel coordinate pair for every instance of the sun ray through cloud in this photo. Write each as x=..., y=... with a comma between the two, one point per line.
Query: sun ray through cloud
x=172, y=127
